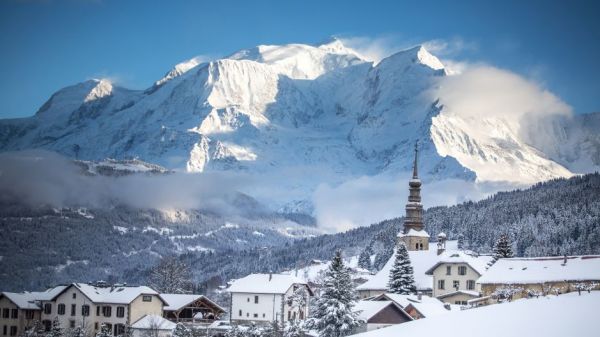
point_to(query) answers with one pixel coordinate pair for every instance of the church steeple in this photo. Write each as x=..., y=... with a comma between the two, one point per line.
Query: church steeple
x=413, y=234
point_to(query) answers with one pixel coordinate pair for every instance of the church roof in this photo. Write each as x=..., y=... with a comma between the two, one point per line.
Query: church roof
x=413, y=232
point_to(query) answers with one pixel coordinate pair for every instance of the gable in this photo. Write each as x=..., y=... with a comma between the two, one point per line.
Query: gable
x=391, y=314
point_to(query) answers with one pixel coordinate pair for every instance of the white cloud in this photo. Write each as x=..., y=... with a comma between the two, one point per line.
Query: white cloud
x=375, y=49
x=367, y=200
x=450, y=47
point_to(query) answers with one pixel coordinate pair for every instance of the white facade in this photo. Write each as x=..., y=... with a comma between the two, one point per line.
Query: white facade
x=263, y=298
x=457, y=272
x=82, y=305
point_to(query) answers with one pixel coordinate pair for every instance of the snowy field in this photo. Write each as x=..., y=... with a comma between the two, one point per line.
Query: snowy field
x=562, y=316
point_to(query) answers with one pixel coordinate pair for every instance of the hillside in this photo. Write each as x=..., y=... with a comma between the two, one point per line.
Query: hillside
x=553, y=218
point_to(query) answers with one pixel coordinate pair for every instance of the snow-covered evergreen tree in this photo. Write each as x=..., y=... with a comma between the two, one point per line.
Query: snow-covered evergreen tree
x=364, y=259
x=294, y=329
x=402, y=280
x=77, y=332
x=182, y=331
x=170, y=276
x=334, y=314
x=234, y=332
x=502, y=249
x=56, y=330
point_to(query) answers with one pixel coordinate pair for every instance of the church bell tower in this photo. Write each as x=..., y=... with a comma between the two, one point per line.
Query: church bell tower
x=413, y=235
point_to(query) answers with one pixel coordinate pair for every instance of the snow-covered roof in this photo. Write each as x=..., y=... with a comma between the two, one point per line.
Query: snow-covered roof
x=542, y=269
x=153, y=322
x=367, y=309
x=265, y=284
x=27, y=300
x=528, y=317
x=404, y=300
x=413, y=232
x=420, y=260
x=461, y=292
x=477, y=263
x=430, y=308
x=179, y=301
x=115, y=294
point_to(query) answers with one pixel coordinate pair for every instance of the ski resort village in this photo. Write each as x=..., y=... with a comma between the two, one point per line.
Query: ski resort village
x=430, y=286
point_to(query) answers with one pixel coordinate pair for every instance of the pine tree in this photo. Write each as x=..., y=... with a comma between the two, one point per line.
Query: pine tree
x=56, y=330
x=461, y=241
x=77, y=332
x=402, y=280
x=334, y=315
x=364, y=259
x=294, y=329
x=182, y=331
x=502, y=249
x=234, y=332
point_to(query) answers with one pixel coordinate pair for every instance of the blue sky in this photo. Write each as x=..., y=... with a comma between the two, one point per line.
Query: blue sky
x=49, y=44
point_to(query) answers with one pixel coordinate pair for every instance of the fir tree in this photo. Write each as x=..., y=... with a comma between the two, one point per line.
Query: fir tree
x=364, y=259
x=382, y=257
x=294, y=329
x=402, y=280
x=182, y=331
x=234, y=332
x=502, y=249
x=56, y=330
x=78, y=332
x=334, y=315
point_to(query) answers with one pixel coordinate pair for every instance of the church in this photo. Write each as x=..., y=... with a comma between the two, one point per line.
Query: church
x=416, y=239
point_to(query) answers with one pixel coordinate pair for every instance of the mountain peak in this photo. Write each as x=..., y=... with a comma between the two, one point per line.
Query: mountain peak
x=418, y=54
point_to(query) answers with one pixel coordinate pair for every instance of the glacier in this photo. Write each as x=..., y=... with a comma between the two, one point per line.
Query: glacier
x=297, y=116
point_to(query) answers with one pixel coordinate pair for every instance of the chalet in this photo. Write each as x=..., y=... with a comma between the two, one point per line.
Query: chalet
x=417, y=306
x=191, y=308
x=91, y=305
x=18, y=311
x=523, y=277
x=454, y=276
x=380, y=314
x=263, y=298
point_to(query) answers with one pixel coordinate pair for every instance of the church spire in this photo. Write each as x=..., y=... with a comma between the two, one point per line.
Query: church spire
x=415, y=172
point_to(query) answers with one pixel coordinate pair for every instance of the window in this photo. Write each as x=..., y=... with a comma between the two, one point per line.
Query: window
x=96, y=326
x=13, y=330
x=255, y=299
x=255, y=315
x=29, y=314
x=73, y=309
x=240, y=313
x=441, y=284
x=470, y=285
x=289, y=315
x=119, y=329
x=416, y=246
x=15, y=313
x=263, y=315
x=47, y=324
x=71, y=324
x=120, y=311
x=247, y=314
x=60, y=309
x=48, y=308
x=5, y=312
x=448, y=270
x=74, y=295
x=147, y=298
x=301, y=315
x=455, y=284
x=106, y=311
x=98, y=311
x=462, y=270
x=4, y=330
x=248, y=300
x=85, y=310
x=460, y=302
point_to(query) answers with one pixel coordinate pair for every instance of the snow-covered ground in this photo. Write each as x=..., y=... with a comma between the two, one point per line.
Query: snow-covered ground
x=553, y=316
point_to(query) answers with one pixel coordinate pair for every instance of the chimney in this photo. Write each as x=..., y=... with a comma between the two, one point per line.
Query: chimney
x=565, y=260
x=270, y=276
x=441, y=243
x=419, y=296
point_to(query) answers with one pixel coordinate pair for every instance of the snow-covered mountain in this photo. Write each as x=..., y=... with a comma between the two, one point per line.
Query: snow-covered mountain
x=301, y=115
